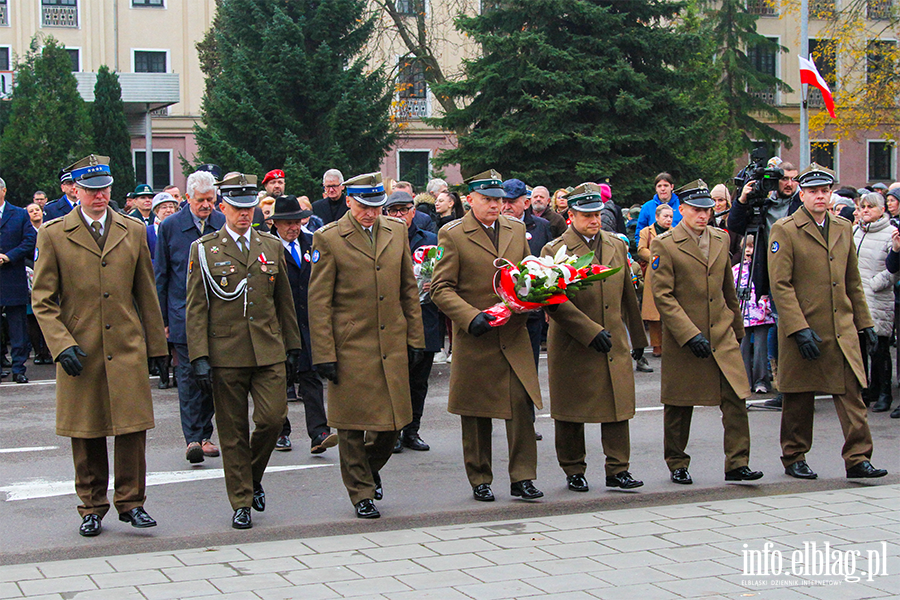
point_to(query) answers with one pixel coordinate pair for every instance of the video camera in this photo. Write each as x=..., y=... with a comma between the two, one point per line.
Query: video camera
x=766, y=178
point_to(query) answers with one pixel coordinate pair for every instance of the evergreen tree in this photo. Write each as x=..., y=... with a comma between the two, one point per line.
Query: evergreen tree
x=111, y=136
x=571, y=90
x=288, y=87
x=49, y=127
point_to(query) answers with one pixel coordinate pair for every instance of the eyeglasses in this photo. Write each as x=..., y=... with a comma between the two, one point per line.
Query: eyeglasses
x=331, y=187
x=401, y=211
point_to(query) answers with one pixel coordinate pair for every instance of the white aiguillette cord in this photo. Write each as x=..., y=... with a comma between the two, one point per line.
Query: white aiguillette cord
x=215, y=287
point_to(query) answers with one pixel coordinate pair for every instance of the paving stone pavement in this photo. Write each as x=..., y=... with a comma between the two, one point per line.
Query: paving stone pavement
x=827, y=545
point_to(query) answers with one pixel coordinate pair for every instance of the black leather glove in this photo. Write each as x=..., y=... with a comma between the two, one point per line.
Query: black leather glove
x=161, y=364
x=292, y=364
x=602, y=342
x=481, y=324
x=806, y=340
x=871, y=340
x=415, y=356
x=68, y=358
x=328, y=371
x=699, y=345
x=637, y=353
x=202, y=374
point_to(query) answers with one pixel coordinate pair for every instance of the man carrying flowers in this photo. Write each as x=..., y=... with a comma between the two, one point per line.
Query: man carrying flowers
x=588, y=335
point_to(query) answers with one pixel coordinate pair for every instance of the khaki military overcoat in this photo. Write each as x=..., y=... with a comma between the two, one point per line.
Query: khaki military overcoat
x=648, y=309
x=105, y=303
x=221, y=330
x=462, y=287
x=818, y=286
x=587, y=386
x=363, y=313
x=695, y=295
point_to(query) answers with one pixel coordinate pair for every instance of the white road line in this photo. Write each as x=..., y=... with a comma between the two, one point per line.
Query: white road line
x=30, y=449
x=42, y=488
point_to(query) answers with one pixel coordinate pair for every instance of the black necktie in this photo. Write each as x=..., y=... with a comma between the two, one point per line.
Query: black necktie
x=492, y=233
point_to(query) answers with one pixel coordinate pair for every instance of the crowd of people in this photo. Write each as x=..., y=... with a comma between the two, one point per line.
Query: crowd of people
x=246, y=291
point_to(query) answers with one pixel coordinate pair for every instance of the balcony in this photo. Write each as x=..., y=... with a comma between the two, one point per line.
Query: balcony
x=762, y=8
x=59, y=16
x=140, y=91
x=814, y=98
x=767, y=96
x=878, y=10
x=409, y=109
x=4, y=14
x=821, y=9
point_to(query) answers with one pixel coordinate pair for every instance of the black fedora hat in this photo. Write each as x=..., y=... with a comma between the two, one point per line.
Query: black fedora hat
x=287, y=207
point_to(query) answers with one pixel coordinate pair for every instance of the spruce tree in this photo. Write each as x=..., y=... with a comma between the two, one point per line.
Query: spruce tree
x=49, y=127
x=571, y=90
x=111, y=136
x=288, y=87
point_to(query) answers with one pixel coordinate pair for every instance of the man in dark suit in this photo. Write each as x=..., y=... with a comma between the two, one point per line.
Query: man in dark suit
x=64, y=204
x=17, y=238
x=173, y=247
x=333, y=206
x=288, y=226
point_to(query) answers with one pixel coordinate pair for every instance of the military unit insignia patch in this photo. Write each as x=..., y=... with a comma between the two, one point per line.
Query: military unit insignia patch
x=315, y=256
x=774, y=247
x=655, y=264
x=224, y=282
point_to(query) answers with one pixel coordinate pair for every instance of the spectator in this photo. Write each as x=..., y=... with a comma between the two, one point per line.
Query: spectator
x=757, y=321
x=333, y=205
x=17, y=239
x=448, y=207
x=164, y=204
x=631, y=230
x=404, y=186
x=175, y=193
x=722, y=199
x=426, y=214
x=893, y=202
x=662, y=222
x=540, y=207
x=436, y=187
x=844, y=207
x=608, y=220
x=665, y=185
x=873, y=241
x=274, y=183
x=38, y=344
x=40, y=198
x=880, y=188
x=35, y=215
x=559, y=202
x=143, y=204
x=64, y=204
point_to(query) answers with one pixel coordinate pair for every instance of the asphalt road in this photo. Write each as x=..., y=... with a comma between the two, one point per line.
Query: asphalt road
x=307, y=499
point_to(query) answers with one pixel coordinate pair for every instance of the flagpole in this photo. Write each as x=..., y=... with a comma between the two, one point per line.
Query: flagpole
x=804, y=88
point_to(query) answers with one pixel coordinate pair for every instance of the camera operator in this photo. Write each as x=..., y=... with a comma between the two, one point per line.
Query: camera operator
x=780, y=203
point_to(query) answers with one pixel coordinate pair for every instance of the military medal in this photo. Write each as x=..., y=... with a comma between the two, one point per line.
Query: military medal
x=271, y=278
x=231, y=270
x=224, y=282
x=263, y=268
x=214, y=249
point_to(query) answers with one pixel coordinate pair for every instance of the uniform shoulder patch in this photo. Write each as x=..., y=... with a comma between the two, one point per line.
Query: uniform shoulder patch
x=451, y=225
x=209, y=236
x=775, y=247
x=327, y=226
x=654, y=264
x=664, y=235
x=315, y=256
x=53, y=221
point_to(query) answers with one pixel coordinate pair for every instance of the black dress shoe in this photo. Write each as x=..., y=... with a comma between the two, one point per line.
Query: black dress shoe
x=259, y=497
x=365, y=509
x=398, y=447
x=577, y=483
x=90, y=526
x=623, y=480
x=20, y=378
x=483, y=493
x=379, y=490
x=4, y=374
x=883, y=404
x=743, y=474
x=537, y=436
x=865, y=470
x=773, y=403
x=138, y=517
x=283, y=444
x=414, y=442
x=682, y=476
x=323, y=442
x=895, y=414
x=800, y=470
x=525, y=489
x=241, y=519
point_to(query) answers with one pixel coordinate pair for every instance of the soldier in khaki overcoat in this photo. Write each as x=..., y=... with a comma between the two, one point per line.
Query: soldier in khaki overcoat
x=243, y=338
x=702, y=325
x=588, y=335
x=366, y=330
x=95, y=300
x=821, y=307
x=493, y=374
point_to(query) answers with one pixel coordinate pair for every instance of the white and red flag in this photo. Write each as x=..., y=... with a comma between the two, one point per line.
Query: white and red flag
x=809, y=74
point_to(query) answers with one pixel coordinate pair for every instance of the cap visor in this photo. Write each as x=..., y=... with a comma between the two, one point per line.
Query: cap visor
x=97, y=183
x=242, y=201
x=587, y=206
x=817, y=181
x=700, y=202
x=371, y=200
x=492, y=192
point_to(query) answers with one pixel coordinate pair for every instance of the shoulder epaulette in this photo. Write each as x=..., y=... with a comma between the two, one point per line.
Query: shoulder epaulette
x=664, y=234
x=267, y=235
x=54, y=221
x=844, y=219
x=135, y=219
x=451, y=224
x=208, y=236
x=326, y=227
x=396, y=219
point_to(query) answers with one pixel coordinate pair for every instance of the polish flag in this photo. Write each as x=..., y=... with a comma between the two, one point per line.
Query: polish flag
x=809, y=74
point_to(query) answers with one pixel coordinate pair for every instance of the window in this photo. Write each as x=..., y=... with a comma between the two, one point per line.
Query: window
x=59, y=13
x=4, y=58
x=162, y=167
x=881, y=161
x=762, y=8
x=821, y=9
x=880, y=62
x=412, y=91
x=150, y=3
x=75, y=57
x=413, y=167
x=764, y=58
x=824, y=153
x=150, y=61
x=4, y=12
x=410, y=7
x=824, y=56
x=878, y=10
x=6, y=76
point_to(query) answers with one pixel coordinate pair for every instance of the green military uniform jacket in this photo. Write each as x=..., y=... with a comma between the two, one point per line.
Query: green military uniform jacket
x=254, y=329
x=103, y=301
x=696, y=295
x=363, y=313
x=587, y=386
x=462, y=287
x=817, y=284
